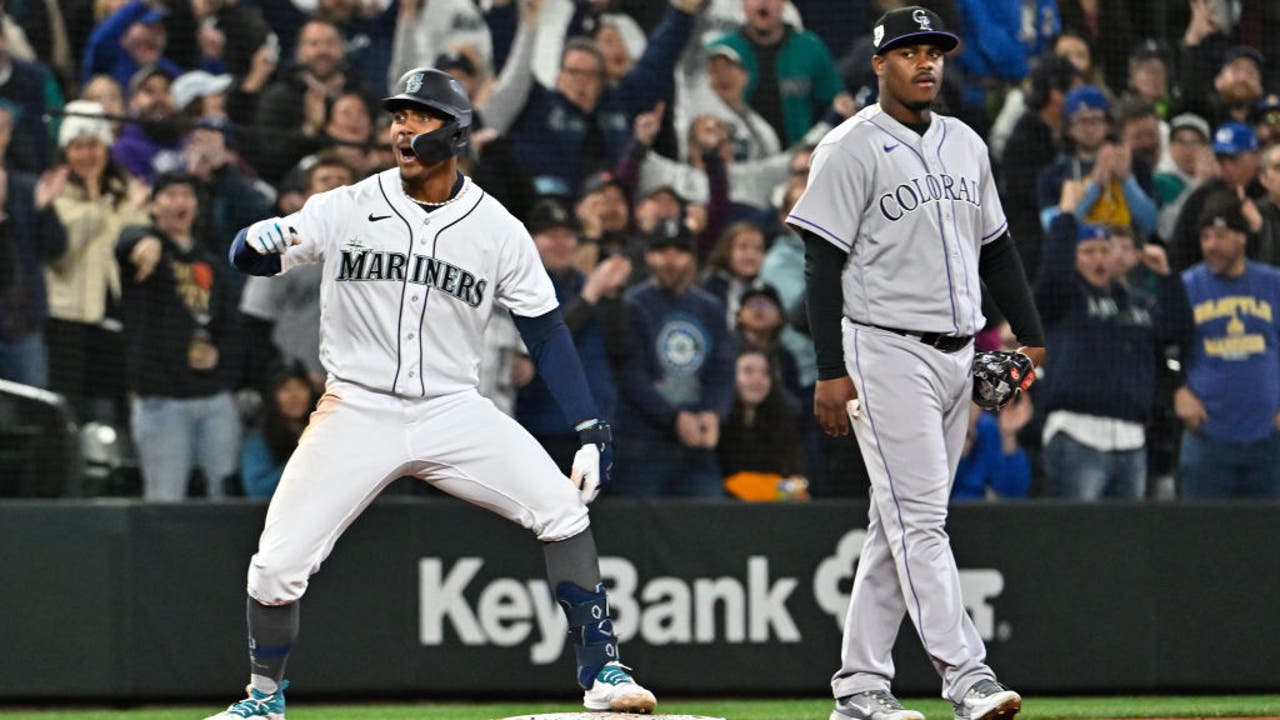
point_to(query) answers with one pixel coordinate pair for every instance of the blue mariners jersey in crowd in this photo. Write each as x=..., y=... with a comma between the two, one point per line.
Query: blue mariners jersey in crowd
x=1234, y=366
x=683, y=359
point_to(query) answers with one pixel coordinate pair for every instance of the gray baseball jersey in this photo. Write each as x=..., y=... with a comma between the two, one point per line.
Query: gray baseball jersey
x=913, y=212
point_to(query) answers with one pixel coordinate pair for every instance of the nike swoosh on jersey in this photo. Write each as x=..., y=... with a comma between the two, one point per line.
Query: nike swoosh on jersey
x=376, y=218
x=890, y=148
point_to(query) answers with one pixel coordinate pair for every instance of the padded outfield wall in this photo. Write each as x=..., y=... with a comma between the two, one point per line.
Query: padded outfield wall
x=118, y=599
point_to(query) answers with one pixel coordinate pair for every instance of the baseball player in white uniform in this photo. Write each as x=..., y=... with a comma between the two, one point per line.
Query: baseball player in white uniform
x=902, y=221
x=413, y=260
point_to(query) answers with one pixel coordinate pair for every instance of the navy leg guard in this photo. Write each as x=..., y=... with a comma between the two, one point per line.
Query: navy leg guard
x=590, y=628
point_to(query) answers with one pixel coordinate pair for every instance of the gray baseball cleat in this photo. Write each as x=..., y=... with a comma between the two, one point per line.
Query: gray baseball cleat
x=872, y=705
x=988, y=700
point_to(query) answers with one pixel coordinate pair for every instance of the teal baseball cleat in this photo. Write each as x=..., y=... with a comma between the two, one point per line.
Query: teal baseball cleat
x=614, y=690
x=257, y=705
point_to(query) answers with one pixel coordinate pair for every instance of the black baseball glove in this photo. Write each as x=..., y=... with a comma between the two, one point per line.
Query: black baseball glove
x=998, y=377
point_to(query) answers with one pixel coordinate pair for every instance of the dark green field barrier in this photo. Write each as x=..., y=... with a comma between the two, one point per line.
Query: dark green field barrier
x=428, y=597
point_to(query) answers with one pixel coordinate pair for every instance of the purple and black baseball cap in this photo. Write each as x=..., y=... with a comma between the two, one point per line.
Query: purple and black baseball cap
x=911, y=25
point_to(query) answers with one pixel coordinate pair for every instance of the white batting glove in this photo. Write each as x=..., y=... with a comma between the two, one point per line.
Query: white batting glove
x=271, y=236
x=586, y=472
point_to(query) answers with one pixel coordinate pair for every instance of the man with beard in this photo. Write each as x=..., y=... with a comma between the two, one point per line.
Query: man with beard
x=676, y=388
x=152, y=143
x=292, y=111
x=1235, y=145
x=1233, y=92
x=1230, y=405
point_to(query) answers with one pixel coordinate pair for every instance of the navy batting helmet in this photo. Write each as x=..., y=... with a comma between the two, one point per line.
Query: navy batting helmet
x=441, y=92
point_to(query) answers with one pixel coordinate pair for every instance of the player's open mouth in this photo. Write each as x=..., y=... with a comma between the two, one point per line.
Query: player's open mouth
x=406, y=153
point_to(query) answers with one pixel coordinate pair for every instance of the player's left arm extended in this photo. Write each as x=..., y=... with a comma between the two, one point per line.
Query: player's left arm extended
x=250, y=261
x=551, y=347
x=1000, y=267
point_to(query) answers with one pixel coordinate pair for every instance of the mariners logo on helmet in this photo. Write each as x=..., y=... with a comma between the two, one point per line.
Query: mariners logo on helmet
x=414, y=83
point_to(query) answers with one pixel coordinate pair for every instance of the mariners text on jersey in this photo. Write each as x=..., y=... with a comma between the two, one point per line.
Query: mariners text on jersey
x=373, y=265
x=406, y=294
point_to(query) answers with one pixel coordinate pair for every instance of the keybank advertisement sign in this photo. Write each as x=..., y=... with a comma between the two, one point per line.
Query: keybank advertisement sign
x=758, y=604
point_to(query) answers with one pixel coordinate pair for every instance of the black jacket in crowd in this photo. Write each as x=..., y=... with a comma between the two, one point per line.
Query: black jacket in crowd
x=187, y=294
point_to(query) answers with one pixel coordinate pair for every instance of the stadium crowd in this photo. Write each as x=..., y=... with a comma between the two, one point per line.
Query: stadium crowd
x=652, y=149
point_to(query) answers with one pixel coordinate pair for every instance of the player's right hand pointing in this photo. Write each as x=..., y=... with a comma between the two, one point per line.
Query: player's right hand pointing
x=271, y=236
x=832, y=404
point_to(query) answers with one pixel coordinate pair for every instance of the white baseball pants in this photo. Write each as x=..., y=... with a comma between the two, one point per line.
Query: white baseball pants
x=359, y=441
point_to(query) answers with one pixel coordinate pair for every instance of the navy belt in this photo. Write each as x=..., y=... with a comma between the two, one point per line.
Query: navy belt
x=945, y=343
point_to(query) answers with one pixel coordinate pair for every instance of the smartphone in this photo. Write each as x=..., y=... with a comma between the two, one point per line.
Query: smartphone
x=273, y=43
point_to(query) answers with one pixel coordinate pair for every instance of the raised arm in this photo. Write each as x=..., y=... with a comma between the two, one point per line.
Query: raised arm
x=511, y=91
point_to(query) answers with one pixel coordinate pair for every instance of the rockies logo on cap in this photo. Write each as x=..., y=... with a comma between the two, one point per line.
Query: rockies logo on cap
x=911, y=23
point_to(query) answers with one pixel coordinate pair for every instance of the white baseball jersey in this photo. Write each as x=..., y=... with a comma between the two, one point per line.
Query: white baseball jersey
x=404, y=300
x=913, y=213
x=406, y=294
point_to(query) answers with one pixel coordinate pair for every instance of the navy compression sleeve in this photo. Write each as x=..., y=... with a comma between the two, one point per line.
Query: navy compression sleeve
x=824, y=300
x=250, y=261
x=550, y=345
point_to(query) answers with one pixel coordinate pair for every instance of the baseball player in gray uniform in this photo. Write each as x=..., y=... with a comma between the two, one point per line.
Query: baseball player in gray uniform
x=413, y=260
x=903, y=225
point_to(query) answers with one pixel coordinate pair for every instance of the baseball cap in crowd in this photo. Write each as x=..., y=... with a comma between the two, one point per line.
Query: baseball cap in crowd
x=455, y=60
x=1085, y=97
x=1234, y=138
x=1269, y=103
x=728, y=52
x=659, y=189
x=911, y=24
x=1147, y=50
x=1222, y=209
x=764, y=290
x=599, y=181
x=1086, y=232
x=670, y=233
x=547, y=214
x=197, y=84
x=175, y=177
x=1243, y=51
x=1192, y=121
x=154, y=15
x=145, y=73
x=78, y=124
